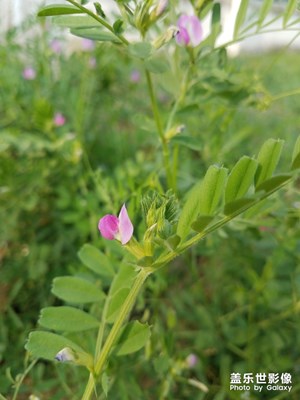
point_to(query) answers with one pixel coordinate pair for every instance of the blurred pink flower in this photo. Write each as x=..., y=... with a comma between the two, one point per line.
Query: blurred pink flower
x=55, y=46
x=92, y=62
x=135, y=76
x=120, y=228
x=59, y=119
x=88, y=44
x=190, y=31
x=191, y=360
x=29, y=73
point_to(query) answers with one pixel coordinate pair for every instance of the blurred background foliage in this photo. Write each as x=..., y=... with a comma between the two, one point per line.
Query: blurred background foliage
x=234, y=300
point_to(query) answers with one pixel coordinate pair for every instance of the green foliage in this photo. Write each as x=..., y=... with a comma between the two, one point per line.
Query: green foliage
x=58, y=9
x=76, y=290
x=66, y=319
x=95, y=260
x=133, y=337
x=46, y=344
x=232, y=300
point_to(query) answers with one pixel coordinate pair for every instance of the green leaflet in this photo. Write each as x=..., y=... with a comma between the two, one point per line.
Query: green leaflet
x=212, y=189
x=190, y=211
x=95, y=260
x=215, y=25
x=264, y=10
x=237, y=206
x=75, y=21
x=58, y=9
x=268, y=158
x=119, y=290
x=76, y=290
x=202, y=222
x=240, y=178
x=289, y=11
x=66, y=318
x=273, y=183
x=133, y=337
x=46, y=345
x=240, y=18
x=95, y=33
x=203, y=199
x=296, y=155
x=156, y=65
x=187, y=141
x=115, y=303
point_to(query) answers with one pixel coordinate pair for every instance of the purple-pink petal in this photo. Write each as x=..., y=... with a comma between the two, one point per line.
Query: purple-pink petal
x=190, y=30
x=109, y=226
x=182, y=37
x=125, y=226
x=195, y=30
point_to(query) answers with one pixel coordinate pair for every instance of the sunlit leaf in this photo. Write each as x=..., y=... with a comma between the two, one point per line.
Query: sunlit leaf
x=240, y=18
x=212, y=189
x=268, y=158
x=240, y=179
x=190, y=211
x=264, y=10
x=289, y=11
x=95, y=33
x=75, y=21
x=58, y=9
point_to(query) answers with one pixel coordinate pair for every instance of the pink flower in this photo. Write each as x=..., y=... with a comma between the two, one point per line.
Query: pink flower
x=59, y=119
x=88, y=44
x=120, y=228
x=55, y=46
x=29, y=73
x=191, y=360
x=135, y=76
x=190, y=31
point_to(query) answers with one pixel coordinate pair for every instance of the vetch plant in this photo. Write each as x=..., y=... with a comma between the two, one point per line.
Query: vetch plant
x=94, y=328
x=219, y=198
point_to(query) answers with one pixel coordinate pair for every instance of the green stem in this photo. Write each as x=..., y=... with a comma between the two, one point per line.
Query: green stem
x=99, y=19
x=166, y=155
x=20, y=381
x=110, y=341
x=286, y=94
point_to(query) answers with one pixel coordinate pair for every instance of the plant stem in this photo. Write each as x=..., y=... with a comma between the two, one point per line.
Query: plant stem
x=100, y=20
x=286, y=94
x=166, y=155
x=115, y=330
x=20, y=380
